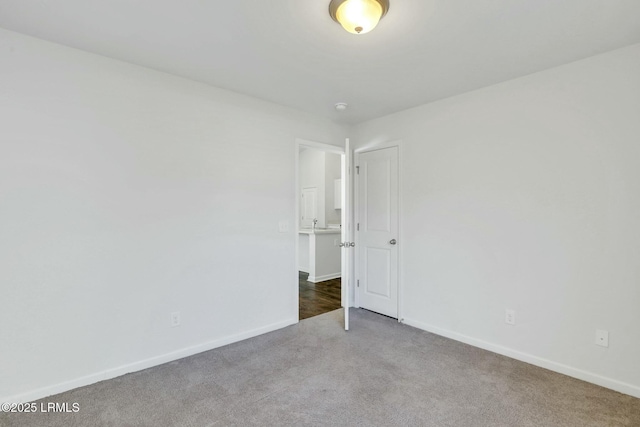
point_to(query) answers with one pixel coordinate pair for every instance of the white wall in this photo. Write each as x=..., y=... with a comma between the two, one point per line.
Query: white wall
x=526, y=195
x=126, y=194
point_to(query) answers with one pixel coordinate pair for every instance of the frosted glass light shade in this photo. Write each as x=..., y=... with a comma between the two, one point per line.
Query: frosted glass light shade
x=358, y=16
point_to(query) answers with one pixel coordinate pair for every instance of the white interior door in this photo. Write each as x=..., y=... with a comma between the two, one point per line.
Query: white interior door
x=309, y=208
x=347, y=231
x=377, y=230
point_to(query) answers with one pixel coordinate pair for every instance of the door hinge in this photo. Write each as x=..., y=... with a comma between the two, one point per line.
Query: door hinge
x=358, y=282
x=358, y=170
x=358, y=227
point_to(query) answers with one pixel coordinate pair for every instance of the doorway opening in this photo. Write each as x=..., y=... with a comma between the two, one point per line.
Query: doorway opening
x=319, y=194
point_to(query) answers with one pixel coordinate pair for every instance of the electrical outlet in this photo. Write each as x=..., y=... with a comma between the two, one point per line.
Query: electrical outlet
x=602, y=338
x=283, y=226
x=510, y=317
x=175, y=319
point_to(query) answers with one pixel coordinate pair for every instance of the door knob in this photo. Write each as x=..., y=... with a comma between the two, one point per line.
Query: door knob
x=341, y=245
x=392, y=241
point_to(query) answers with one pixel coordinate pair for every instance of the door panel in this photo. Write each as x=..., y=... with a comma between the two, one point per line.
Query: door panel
x=377, y=272
x=377, y=231
x=377, y=212
x=309, y=206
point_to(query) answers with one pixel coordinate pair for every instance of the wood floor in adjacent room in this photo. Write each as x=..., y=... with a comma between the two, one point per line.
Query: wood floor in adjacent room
x=318, y=298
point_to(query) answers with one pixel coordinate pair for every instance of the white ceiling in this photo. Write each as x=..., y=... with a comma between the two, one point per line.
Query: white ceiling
x=292, y=53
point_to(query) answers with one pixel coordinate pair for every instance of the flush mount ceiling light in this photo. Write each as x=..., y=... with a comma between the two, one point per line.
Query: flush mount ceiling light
x=358, y=16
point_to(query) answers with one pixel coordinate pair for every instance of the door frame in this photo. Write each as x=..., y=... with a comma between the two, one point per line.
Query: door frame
x=300, y=142
x=373, y=146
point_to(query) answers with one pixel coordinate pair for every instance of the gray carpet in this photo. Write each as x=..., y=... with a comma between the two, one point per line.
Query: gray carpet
x=380, y=373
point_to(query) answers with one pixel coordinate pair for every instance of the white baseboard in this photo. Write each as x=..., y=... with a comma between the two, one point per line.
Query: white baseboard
x=570, y=371
x=316, y=279
x=143, y=364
